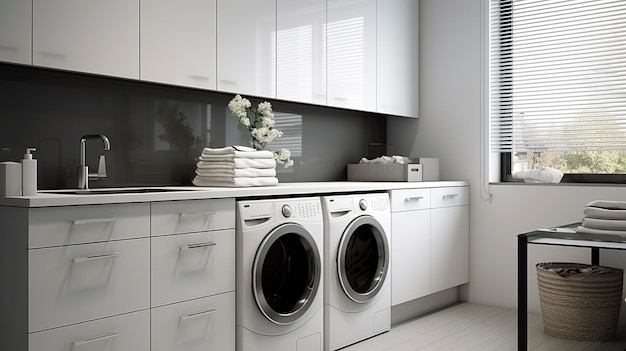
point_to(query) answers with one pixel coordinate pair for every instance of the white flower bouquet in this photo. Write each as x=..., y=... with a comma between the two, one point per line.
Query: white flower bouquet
x=259, y=121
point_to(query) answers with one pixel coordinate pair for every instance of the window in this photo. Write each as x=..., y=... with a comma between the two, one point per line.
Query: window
x=558, y=87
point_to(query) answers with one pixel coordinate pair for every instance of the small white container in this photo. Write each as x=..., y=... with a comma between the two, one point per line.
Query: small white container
x=10, y=179
x=29, y=174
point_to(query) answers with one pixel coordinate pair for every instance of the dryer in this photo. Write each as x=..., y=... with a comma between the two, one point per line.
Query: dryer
x=279, y=275
x=357, y=296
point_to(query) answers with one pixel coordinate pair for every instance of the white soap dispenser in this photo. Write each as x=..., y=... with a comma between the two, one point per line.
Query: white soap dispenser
x=29, y=173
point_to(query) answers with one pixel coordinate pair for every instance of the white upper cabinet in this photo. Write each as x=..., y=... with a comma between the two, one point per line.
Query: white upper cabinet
x=300, y=57
x=178, y=42
x=397, y=58
x=97, y=36
x=351, y=54
x=246, y=47
x=16, y=31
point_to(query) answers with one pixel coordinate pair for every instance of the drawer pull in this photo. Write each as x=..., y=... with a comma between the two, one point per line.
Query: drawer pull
x=197, y=314
x=207, y=216
x=450, y=196
x=95, y=257
x=94, y=220
x=197, y=246
x=111, y=335
x=413, y=198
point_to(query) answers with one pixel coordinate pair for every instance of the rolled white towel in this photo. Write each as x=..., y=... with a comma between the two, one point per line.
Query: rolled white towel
x=236, y=172
x=608, y=204
x=234, y=181
x=541, y=175
x=236, y=151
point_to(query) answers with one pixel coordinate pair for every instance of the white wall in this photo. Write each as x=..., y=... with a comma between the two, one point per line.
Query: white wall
x=449, y=127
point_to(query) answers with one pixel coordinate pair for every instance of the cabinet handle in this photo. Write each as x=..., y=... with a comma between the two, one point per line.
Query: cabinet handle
x=94, y=220
x=197, y=246
x=95, y=257
x=450, y=196
x=413, y=198
x=207, y=215
x=197, y=314
x=111, y=335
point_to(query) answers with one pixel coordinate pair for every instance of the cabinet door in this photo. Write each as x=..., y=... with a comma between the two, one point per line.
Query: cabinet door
x=16, y=31
x=449, y=247
x=410, y=255
x=397, y=58
x=195, y=325
x=351, y=54
x=246, y=47
x=98, y=36
x=125, y=332
x=300, y=72
x=178, y=42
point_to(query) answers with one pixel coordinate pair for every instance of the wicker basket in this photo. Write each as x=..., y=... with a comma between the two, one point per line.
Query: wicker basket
x=579, y=301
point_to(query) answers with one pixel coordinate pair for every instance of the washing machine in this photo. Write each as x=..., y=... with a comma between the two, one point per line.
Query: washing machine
x=357, y=295
x=279, y=275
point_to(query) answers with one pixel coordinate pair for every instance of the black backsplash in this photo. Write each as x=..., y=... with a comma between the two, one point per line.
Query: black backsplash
x=148, y=126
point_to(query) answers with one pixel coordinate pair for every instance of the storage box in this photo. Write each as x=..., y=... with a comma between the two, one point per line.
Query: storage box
x=393, y=172
x=10, y=179
x=430, y=168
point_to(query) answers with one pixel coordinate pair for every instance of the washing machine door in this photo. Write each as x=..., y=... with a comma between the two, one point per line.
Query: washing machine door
x=286, y=273
x=363, y=259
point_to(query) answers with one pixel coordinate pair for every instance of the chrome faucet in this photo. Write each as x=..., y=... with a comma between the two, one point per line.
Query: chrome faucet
x=83, y=170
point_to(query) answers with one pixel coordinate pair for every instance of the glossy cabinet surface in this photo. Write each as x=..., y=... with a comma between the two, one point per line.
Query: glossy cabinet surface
x=397, y=58
x=16, y=31
x=450, y=237
x=300, y=55
x=196, y=325
x=429, y=240
x=178, y=42
x=246, y=47
x=351, y=54
x=100, y=36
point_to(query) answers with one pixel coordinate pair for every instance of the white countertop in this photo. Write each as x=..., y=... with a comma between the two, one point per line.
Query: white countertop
x=45, y=199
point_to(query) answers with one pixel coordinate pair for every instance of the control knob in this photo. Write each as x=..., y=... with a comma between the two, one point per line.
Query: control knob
x=363, y=204
x=286, y=211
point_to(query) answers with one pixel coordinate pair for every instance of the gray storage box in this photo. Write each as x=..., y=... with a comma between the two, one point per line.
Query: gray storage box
x=430, y=168
x=393, y=172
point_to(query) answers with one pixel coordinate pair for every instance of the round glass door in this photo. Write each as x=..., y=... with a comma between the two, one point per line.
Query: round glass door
x=286, y=273
x=363, y=259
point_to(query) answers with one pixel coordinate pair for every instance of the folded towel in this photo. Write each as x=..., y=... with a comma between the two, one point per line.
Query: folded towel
x=234, y=181
x=585, y=230
x=385, y=160
x=606, y=224
x=236, y=151
x=236, y=172
x=239, y=163
x=603, y=213
x=609, y=205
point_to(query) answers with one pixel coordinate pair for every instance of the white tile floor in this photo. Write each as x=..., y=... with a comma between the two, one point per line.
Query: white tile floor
x=474, y=327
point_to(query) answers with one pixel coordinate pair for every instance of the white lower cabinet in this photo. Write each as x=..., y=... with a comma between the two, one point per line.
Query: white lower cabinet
x=120, y=333
x=118, y=277
x=197, y=325
x=429, y=241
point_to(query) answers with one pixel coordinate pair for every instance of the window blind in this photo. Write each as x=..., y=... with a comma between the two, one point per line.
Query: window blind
x=557, y=75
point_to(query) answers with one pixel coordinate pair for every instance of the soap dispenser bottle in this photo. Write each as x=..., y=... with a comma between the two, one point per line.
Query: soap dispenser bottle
x=29, y=174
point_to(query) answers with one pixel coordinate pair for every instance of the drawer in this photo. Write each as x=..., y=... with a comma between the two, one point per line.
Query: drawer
x=409, y=199
x=196, y=325
x=188, y=266
x=450, y=196
x=190, y=216
x=77, y=283
x=53, y=226
x=120, y=333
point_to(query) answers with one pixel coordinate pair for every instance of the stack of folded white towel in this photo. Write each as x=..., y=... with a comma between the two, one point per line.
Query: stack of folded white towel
x=235, y=166
x=604, y=217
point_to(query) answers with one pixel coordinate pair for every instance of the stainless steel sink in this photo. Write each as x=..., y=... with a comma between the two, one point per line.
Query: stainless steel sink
x=109, y=191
